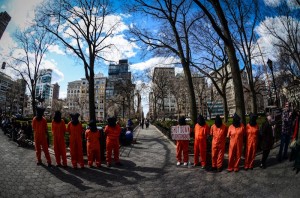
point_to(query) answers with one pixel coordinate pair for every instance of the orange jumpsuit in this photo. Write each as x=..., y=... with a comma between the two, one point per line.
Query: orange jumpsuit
x=236, y=136
x=76, y=151
x=201, y=133
x=112, y=142
x=58, y=131
x=251, y=145
x=40, y=138
x=218, y=145
x=182, y=146
x=93, y=147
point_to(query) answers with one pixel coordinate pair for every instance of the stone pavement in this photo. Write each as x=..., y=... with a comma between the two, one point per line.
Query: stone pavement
x=149, y=171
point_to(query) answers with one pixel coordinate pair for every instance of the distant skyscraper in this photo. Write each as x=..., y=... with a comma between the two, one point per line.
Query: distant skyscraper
x=55, y=91
x=4, y=20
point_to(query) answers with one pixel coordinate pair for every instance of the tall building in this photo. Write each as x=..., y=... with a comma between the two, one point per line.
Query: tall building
x=55, y=91
x=119, y=90
x=12, y=95
x=43, y=86
x=163, y=104
x=78, y=97
x=4, y=20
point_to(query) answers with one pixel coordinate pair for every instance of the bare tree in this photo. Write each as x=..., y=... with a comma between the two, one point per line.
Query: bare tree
x=171, y=38
x=82, y=27
x=285, y=33
x=33, y=44
x=215, y=13
x=243, y=17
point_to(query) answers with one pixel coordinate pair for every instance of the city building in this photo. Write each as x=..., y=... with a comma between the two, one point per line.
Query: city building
x=12, y=95
x=43, y=86
x=55, y=91
x=4, y=20
x=78, y=97
x=119, y=90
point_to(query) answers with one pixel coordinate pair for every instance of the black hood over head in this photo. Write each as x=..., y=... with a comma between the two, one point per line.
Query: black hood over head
x=57, y=116
x=40, y=113
x=236, y=121
x=74, y=118
x=218, y=121
x=93, y=126
x=181, y=121
x=201, y=120
x=112, y=121
x=252, y=120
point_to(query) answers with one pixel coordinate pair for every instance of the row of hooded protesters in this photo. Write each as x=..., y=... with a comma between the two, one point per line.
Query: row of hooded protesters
x=236, y=133
x=74, y=127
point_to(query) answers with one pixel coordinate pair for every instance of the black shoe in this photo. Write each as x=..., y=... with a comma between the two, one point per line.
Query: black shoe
x=39, y=163
x=219, y=169
x=213, y=169
x=298, y=169
x=49, y=165
x=119, y=164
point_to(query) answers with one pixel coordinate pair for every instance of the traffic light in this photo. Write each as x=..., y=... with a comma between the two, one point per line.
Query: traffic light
x=3, y=65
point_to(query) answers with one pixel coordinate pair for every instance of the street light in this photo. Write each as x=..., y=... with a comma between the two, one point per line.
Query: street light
x=270, y=64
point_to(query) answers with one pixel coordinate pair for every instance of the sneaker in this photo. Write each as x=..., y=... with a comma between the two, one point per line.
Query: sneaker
x=178, y=164
x=203, y=167
x=185, y=164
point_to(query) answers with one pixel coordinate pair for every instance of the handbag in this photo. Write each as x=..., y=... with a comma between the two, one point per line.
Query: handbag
x=293, y=144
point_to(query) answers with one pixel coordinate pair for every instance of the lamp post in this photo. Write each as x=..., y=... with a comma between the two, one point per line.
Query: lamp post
x=270, y=64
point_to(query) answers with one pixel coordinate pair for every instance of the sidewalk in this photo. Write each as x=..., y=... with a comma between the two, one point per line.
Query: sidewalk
x=149, y=170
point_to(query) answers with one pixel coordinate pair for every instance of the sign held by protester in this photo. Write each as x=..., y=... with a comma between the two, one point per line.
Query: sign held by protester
x=180, y=132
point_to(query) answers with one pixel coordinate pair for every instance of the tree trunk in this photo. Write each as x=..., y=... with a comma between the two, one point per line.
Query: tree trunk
x=226, y=112
x=92, y=96
x=193, y=106
x=237, y=82
x=33, y=103
x=254, y=99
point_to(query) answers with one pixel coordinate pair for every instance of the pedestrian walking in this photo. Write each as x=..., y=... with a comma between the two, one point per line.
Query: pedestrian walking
x=92, y=136
x=286, y=132
x=58, y=131
x=201, y=133
x=219, y=133
x=267, y=139
x=75, y=130
x=39, y=126
x=112, y=131
x=182, y=146
x=236, y=133
x=251, y=142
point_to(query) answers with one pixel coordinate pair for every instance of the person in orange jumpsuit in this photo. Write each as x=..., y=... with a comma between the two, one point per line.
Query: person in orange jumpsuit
x=219, y=132
x=92, y=136
x=58, y=131
x=201, y=134
x=251, y=142
x=75, y=130
x=182, y=146
x=112, y=131
x=236, y=133
x=39, y=126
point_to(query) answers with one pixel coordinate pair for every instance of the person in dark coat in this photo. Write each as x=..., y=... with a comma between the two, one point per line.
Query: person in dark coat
x=267, y=140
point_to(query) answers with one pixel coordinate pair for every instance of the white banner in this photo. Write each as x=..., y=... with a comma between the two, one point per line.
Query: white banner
x=180, y=132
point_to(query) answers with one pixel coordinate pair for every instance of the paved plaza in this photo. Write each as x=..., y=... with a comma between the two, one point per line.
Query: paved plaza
x=149, y=170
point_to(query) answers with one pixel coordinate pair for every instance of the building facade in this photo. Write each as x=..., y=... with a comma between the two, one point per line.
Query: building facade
x=43, y=86
x=4, y=20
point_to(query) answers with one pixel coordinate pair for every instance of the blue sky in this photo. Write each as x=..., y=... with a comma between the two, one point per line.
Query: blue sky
x=67, y=69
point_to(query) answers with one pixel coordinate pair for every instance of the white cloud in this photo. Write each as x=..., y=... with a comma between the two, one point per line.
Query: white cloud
x=155, y=62
x=273, y=3
x=56, y=49
x=22, y=13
